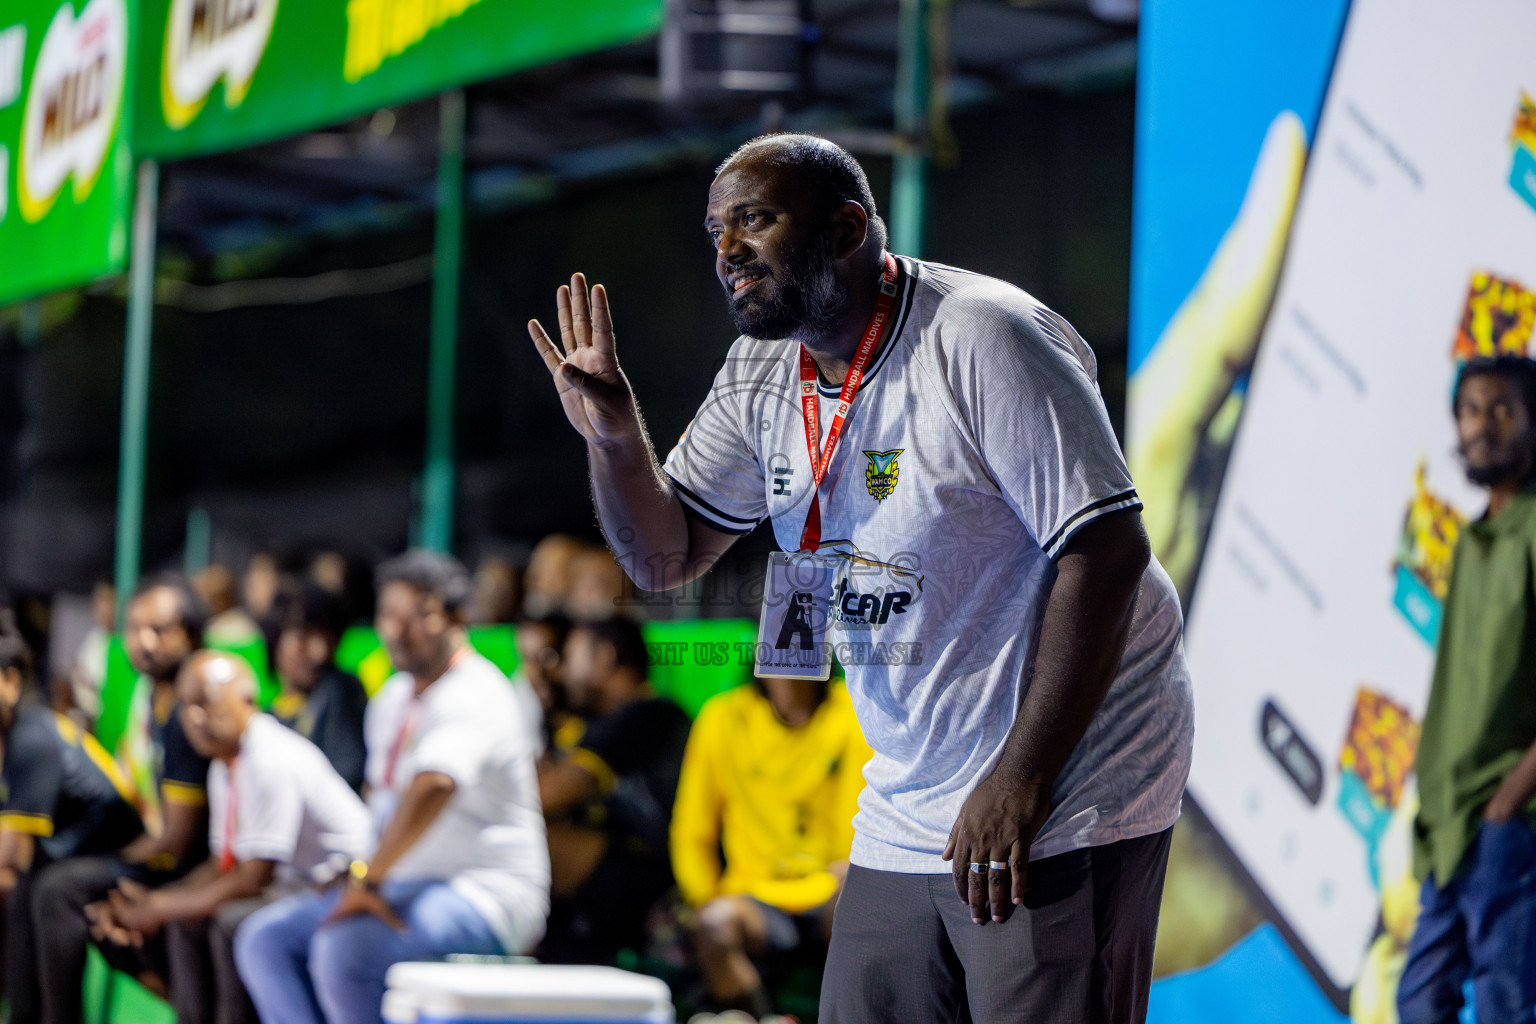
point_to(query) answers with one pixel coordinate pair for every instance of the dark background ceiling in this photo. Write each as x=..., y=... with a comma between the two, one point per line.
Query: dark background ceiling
x=288, y=395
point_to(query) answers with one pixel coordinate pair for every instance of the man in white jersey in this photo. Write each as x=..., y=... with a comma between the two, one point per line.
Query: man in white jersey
x=1012, y=650
x=279, y=819
x=461, y=864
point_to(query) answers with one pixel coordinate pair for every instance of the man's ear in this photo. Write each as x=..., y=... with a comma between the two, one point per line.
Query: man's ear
x=850, y=227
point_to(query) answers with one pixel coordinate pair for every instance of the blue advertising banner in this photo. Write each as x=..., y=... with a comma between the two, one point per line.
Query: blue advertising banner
x=1334, y=212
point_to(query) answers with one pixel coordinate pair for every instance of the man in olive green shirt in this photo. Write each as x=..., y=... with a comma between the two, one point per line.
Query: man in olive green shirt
x=1473, y=841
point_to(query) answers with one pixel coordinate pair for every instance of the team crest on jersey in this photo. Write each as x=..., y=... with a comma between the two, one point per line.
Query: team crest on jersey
x=881, y=473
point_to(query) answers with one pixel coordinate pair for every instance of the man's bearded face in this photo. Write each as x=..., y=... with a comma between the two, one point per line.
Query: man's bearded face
x=801, y=298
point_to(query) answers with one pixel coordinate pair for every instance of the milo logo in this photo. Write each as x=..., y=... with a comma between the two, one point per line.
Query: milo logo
x=73, y=103
x=209, y=40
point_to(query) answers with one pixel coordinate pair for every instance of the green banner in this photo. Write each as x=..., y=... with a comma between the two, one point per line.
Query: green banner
x=221, y=74
x=66, y=174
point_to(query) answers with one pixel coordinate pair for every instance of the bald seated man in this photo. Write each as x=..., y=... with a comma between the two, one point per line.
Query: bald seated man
x=1012, y=649
x=280, y=819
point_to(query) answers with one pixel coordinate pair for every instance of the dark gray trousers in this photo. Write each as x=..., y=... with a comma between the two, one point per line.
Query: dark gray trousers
x=20, y=954
x=1078, y=951
x=60, y=893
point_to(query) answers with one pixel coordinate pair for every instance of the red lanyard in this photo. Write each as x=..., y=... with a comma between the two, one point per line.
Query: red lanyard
x=408, y=726
x=810, y=539
x=231, y=809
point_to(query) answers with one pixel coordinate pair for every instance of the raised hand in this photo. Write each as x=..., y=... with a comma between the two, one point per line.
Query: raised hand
x=593, y=390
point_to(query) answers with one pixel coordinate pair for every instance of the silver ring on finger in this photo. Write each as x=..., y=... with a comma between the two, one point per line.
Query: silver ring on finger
x=978, y=868
x=998, y=865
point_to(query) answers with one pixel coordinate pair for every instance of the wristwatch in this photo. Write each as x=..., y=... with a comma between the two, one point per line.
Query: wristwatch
x=357, y=877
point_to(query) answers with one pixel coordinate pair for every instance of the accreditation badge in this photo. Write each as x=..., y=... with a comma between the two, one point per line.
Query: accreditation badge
x=797, y=601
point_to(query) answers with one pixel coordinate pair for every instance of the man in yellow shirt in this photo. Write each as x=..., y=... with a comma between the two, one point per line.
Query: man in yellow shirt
x=771, y=777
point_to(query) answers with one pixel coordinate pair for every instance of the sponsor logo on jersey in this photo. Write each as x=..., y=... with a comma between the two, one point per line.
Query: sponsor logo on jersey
x=856, y=609
x=782, y=475
x=882, y=472
x=72, y=104
x=206, y=40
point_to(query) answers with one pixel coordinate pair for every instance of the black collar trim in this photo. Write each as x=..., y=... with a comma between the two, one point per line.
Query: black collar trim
x=906, y=285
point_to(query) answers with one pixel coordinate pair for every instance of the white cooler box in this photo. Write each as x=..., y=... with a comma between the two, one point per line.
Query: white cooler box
x=470, y=993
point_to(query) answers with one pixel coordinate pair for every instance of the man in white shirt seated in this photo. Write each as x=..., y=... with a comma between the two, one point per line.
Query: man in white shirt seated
x=280, y=818
x=461, y=864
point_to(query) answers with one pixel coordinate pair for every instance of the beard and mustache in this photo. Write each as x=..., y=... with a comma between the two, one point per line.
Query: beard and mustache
x=1506, y=463
x=808, y=300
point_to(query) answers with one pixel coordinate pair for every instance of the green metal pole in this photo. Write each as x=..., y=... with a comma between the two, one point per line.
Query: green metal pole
x=141, y=304
x=199, y=546
x=909, y=171
x=437, y=480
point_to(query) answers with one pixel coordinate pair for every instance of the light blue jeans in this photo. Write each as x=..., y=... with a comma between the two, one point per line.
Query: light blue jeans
x=299, y=972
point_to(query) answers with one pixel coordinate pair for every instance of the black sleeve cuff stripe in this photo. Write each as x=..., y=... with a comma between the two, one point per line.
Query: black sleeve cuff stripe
x=710, y=514
x=1085, y=515
x=707, y=508
x=711, y=522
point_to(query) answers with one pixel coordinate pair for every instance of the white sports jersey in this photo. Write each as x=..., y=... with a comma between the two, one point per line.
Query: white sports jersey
x=290, y=806
x=976, y=447
x=488, y=841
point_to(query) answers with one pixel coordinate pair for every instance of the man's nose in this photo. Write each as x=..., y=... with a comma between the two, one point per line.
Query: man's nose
x=731, y=249
x=1483, y=426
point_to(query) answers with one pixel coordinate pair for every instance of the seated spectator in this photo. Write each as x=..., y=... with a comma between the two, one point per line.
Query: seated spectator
x=229, y=625
x=280, y=818
x=318, y=700
x=771, y=777
x=539, y=642
x=608, y=800
x=164, y=627
x=260, y=585
x=494, y=596
x=598, y=587
x=165, y=624
x=63, y=797
x=88, y=672
x=330, y=571
x=461, y=865
x=547, y=580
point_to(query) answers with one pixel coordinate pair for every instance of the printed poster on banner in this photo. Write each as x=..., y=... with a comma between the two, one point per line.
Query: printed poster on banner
x=66, y=174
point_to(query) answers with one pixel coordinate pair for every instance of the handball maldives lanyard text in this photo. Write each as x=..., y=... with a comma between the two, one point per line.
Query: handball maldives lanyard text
x=879, y=322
